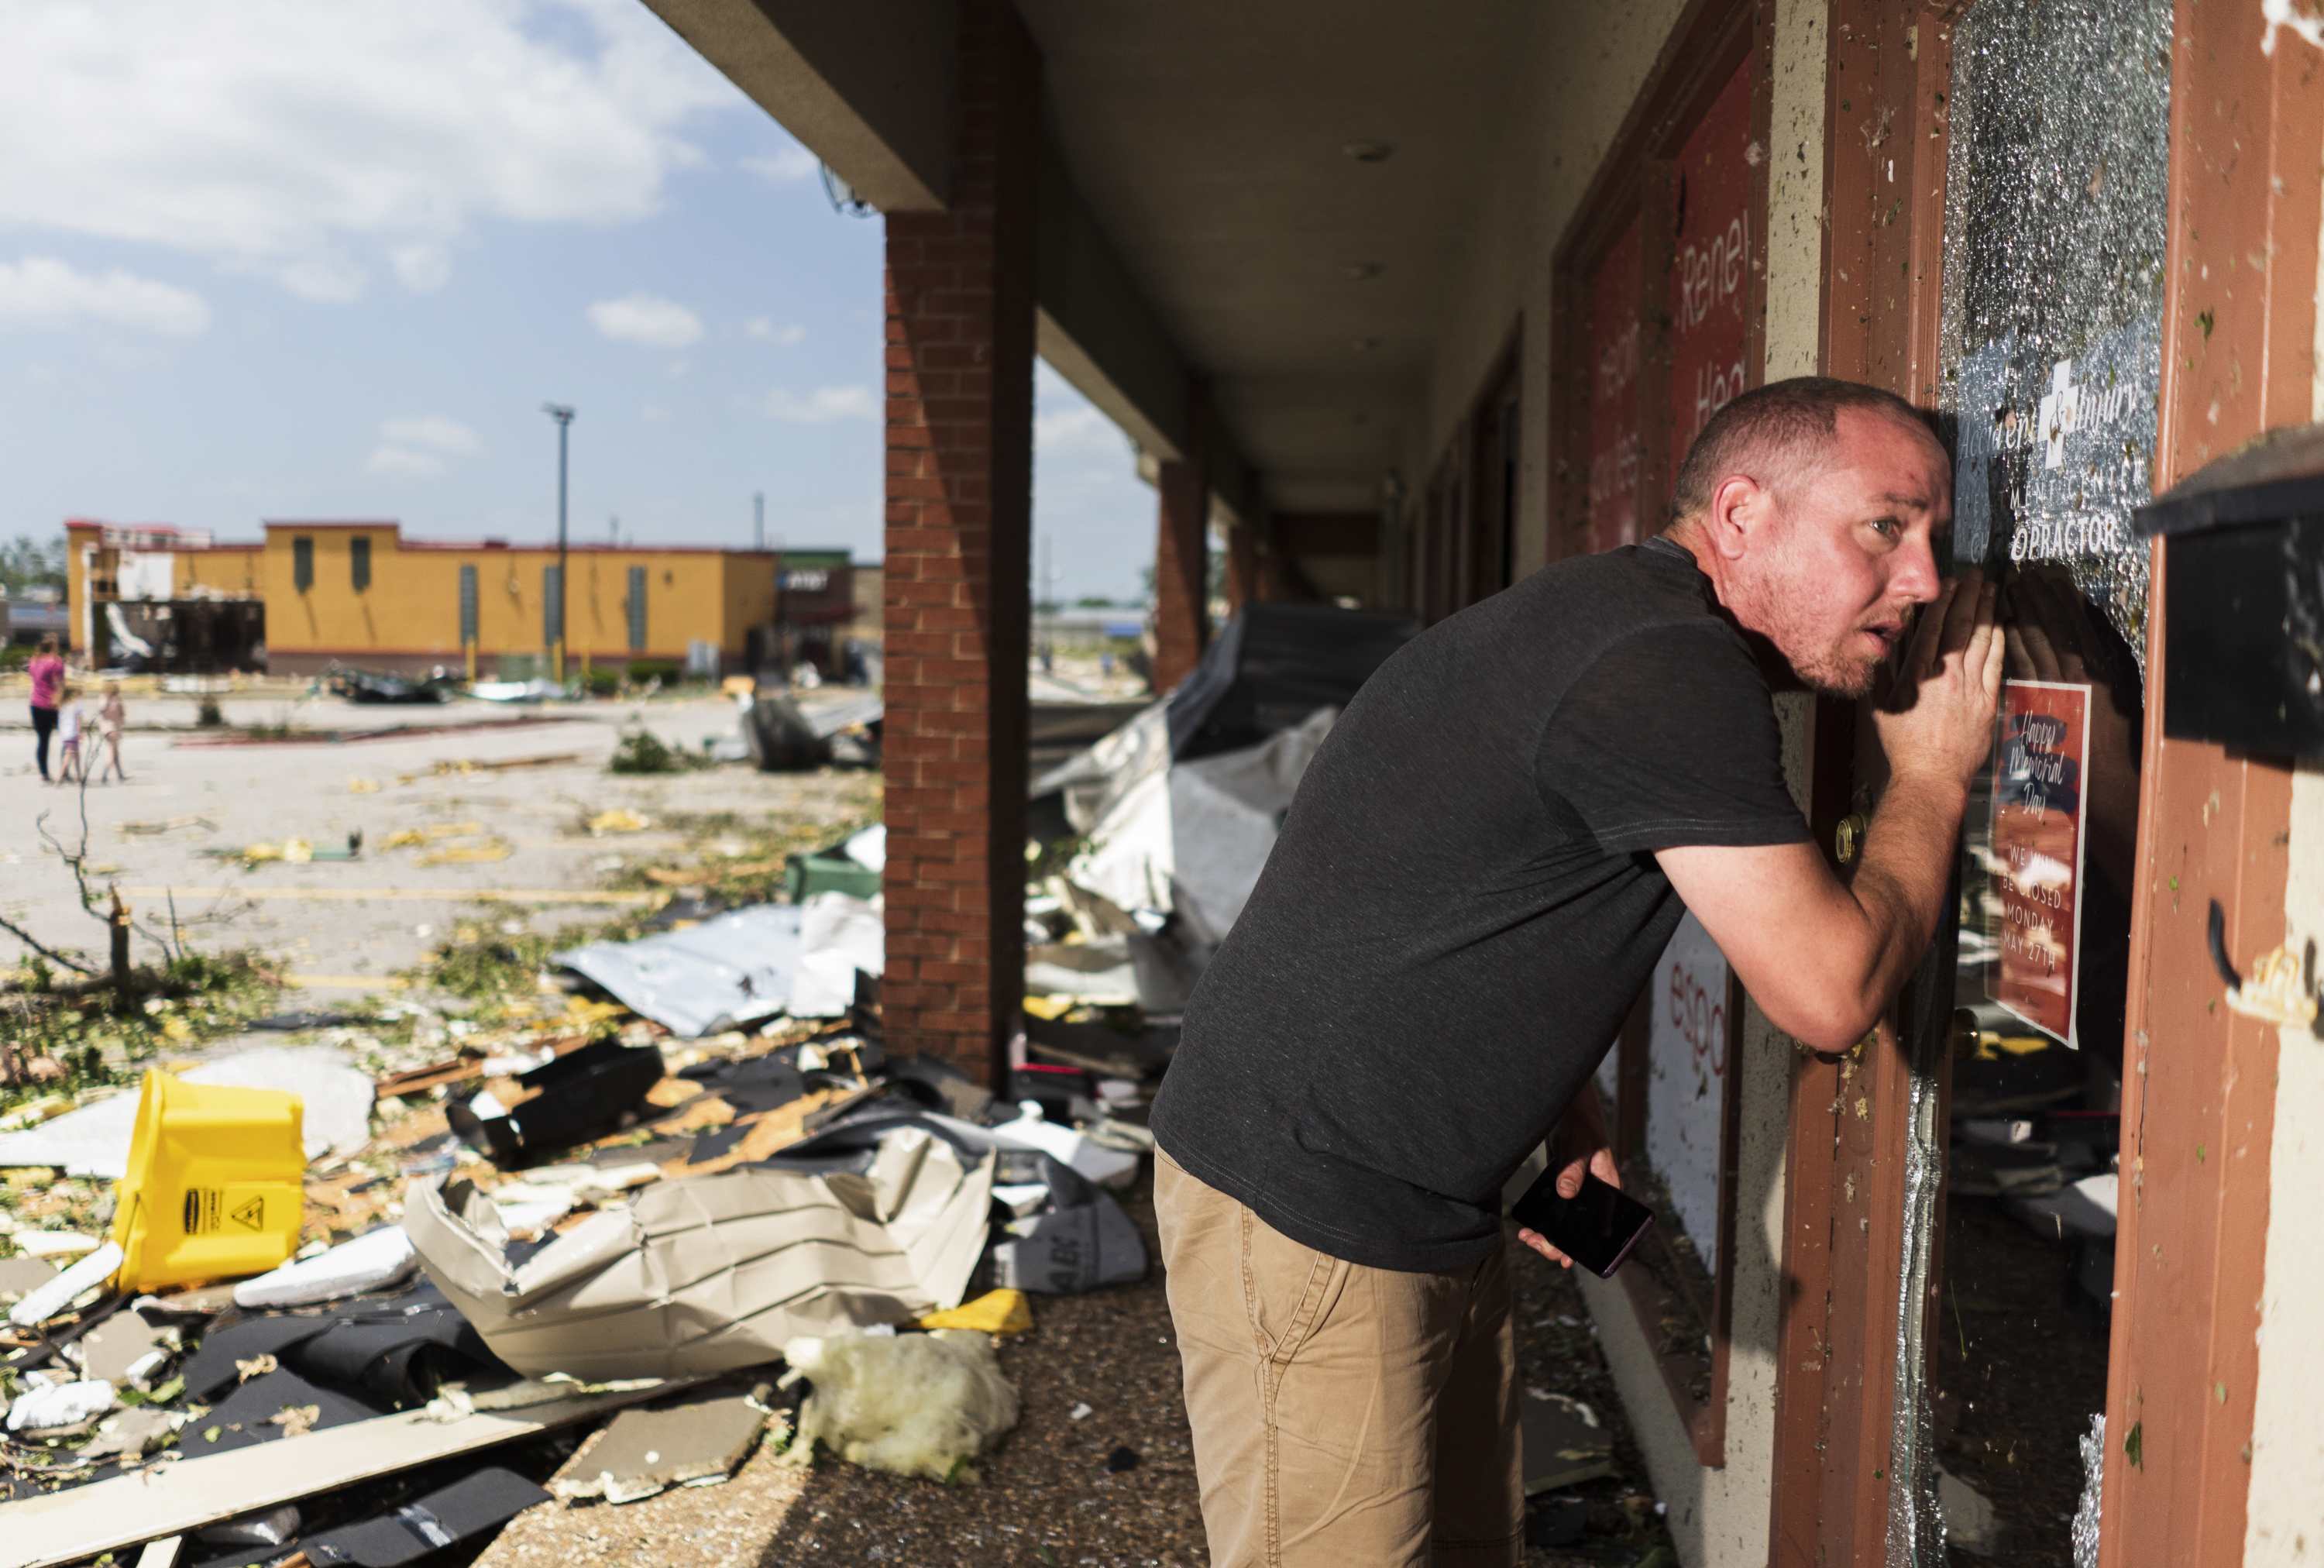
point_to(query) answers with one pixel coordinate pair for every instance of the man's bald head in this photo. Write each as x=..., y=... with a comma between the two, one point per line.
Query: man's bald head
x=1780, y=434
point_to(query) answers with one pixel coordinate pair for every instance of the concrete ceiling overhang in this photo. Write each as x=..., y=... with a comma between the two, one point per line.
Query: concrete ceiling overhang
x=1269, y=196
x=1211, y=141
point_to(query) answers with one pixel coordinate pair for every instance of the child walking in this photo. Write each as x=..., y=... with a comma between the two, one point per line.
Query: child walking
x=109, y=720
x=70, y=766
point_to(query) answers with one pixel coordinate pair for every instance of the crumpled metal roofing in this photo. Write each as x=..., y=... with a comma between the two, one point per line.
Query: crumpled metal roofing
x=729, y=971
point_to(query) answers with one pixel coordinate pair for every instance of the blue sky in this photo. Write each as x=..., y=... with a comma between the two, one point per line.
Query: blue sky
x=265, y=258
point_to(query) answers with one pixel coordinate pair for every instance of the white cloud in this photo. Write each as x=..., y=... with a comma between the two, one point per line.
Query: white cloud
x=793, y=163
x=764, y=329
x=404, y=462
x=654, y=414
x=312, y=143
x=1068, y=424
x=431, y=430
x=43, y=291
x=647, y=320
x=820, y=407
x=1085, y=430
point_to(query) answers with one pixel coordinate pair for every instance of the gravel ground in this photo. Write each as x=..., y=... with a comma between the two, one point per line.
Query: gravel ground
x=1048, y=1499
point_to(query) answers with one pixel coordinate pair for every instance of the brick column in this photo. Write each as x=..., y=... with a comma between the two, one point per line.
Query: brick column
x=1182, y=557
x=1243, y=547
x=956, y=616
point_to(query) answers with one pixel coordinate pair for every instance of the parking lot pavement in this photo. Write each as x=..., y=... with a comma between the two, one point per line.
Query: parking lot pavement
x=505, y=796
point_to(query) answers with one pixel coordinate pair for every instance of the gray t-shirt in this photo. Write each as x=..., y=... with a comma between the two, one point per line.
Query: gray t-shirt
x=1465, y=903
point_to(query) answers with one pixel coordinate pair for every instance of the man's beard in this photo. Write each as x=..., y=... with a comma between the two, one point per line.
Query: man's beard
x=1834, y=674
x=1826, y=669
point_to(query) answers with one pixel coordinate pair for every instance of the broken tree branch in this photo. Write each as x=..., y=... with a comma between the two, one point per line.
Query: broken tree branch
x=51, y=954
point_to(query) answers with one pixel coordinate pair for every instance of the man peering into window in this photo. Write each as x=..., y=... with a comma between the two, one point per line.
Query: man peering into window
x=1478, y=875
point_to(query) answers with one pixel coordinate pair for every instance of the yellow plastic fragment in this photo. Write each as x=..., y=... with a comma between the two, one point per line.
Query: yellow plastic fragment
x=620, y=819
x=996, y=1311
x=420, y=837
x=465, y=853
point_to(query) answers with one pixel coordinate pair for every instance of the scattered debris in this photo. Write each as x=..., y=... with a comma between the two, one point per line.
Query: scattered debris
x=1190, y=837
x=1971, y=1524
x=368, y=1263
x=422, y=837
x=334, y=1102
x=380, y=686
x=266, y=1527
x=47, y=1408
x=996, y=1311
x=59, y=1291
x=922, y=1404
x=1561, y=1450
x=469, y=1507
x=1091, y=1161
x=647, y=1451
x=168, y=824
x=724, y=973
x=707, y=1274
x=618, y=819
x=852, y=866
x=781, y=737
x=839, y=937
x=566, y=1099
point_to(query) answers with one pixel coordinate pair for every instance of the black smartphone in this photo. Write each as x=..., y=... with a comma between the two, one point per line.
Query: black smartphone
x=1597, y=1227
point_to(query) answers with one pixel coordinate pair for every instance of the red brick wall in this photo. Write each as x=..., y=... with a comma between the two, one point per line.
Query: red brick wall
x=959, y=510
x=1181, y=563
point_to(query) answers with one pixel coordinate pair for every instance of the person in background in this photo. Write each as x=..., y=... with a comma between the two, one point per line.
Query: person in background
x=109, y=720
x=48, y=673
x=70, y=765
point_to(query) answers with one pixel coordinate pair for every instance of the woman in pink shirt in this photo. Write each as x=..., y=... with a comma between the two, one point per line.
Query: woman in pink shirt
x=48, y=673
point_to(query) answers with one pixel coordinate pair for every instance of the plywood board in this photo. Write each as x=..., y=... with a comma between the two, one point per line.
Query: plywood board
x=182, y=1497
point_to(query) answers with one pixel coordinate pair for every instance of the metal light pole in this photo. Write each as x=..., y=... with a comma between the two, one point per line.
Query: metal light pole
x=564, y=418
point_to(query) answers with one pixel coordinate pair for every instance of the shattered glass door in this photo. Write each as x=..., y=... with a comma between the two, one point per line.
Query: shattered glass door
x=2054, y=237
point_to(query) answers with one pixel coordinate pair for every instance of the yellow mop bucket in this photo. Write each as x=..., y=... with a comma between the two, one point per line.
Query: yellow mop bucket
x=214, y=1189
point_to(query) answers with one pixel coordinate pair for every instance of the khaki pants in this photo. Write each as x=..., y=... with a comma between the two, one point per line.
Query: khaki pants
x=1343, y=1416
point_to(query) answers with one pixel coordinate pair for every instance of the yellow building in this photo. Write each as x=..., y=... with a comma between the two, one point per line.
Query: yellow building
x=360, y=593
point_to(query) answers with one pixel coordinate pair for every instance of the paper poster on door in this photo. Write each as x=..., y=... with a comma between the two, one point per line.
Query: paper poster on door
x=2038, y=823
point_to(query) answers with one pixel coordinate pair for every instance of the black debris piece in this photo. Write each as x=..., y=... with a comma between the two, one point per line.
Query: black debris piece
x=1561, y=1449
x=256, y=1413
x=950, y=1090
x=579, y=1094
x=1097, y=1048
x=394, y=1349
x=1121, y=1459
x=717, y=1142
x=266, y=1530
x=473, y=1504
x=1064, y=1095
x=1557, y=1521
x=752, y=1086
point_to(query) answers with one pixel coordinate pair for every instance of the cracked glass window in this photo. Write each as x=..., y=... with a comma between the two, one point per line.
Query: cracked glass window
x=2056, y=190
x=2055, y=206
